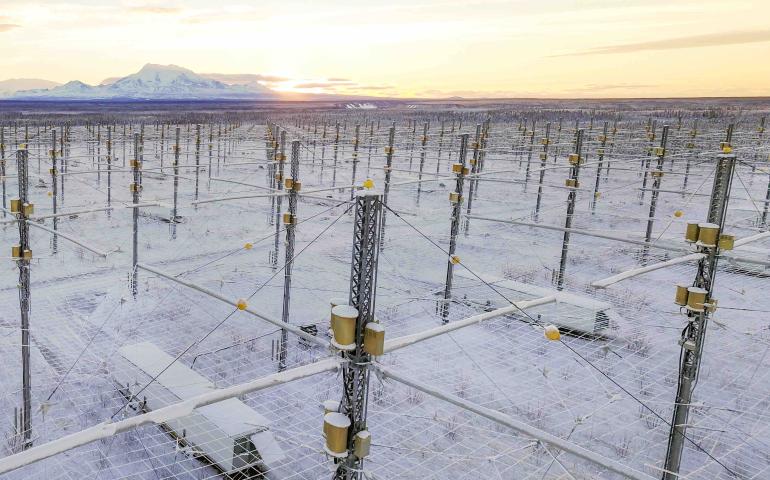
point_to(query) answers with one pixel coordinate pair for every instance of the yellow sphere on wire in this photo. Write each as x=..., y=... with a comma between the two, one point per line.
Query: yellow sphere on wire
x=455, y=259
x=368, y=184
x=678, y=213
x=241, y=304
x=50, y=194
x=552, y=332
x=248, y=245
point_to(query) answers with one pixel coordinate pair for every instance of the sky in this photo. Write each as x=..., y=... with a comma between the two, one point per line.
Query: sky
x=406, y=48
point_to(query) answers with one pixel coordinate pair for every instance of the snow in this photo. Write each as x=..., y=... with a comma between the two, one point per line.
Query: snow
x=234, y=417
x=375, y=327
x=345, y=311
x=179, y=379
x=337, y=420
x=361, y=106
x=606, y=282
x=160, y=416
x=331, y=405
x=338, y=301
x=268, y=448
x=486, y=358
x=523, y=428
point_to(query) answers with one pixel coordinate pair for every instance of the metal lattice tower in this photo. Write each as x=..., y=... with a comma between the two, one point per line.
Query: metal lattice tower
x=2, y=166
x=54, y=173
x=281, y=161
x=657, y=176
x=135, y=187
x=456, y=198
x=600, y=152
x=694, y=334
x=290, y=220
x=354, y=161
x=388, y=170
x=572, y=182
x=363, y=284
x=175, y=212
x=109, y=168
x=546, y=140
x=197, y=158
x=474, y=169
x=23, y=257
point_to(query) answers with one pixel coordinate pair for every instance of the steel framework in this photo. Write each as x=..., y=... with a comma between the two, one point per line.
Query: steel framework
x=363, y=285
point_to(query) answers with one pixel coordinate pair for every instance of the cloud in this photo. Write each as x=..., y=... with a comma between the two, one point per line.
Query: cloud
x=240, y=78
x=240, y=13
x=693, y=41
x=154, y=9
x=327, y=84
x=373, y=87
x=4, y=27
x=598, y=87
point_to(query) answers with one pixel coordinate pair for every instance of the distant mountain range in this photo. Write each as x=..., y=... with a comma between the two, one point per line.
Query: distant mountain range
x=13, y=85
x=152, y=82
x=159, y=82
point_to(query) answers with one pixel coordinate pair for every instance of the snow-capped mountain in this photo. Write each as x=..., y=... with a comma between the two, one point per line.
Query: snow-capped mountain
x=74, y=89
x=152, y=82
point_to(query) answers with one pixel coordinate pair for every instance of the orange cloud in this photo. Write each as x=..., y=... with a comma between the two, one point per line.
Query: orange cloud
x=694, y=41
x=155, y=9
x=331, y=83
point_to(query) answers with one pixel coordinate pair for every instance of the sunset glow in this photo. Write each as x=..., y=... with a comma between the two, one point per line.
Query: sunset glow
x=435, y=48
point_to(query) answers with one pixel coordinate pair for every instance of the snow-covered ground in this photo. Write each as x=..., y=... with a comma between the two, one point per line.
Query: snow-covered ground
x=83, y=310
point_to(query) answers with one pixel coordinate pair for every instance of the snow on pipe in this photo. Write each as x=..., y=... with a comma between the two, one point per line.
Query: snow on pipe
x=238, y=197
x=67, y=237
x=225, y=180
x=162, y=415
x=752, y=238
x=92, y=210
x=472, y=175
x=604, y=283
x=344, y=187
x=732, y=257
x=578, y=231
x=267, y=195
x=286, y=326
x=407, y=340
x=517, y=425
